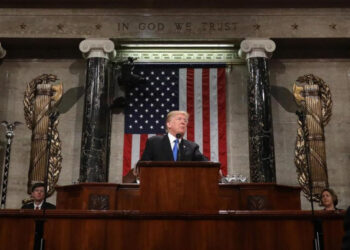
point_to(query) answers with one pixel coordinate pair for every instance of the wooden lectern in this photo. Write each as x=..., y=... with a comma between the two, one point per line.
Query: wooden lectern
x=179, y=186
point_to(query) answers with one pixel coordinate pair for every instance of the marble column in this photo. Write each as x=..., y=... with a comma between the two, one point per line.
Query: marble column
x=95, y=143
x=261, y=143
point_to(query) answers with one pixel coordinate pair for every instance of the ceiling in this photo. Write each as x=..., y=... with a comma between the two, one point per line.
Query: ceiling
x=180, y=4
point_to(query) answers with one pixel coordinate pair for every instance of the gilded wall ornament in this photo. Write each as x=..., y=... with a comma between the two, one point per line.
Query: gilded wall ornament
x=313, y=96
x=40, y=102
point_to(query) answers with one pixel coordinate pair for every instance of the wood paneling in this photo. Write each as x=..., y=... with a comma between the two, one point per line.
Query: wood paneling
x=180, y=186
x=72, y=229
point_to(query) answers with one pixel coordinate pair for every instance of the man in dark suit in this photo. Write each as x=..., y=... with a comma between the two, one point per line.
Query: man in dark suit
x=172, y=146
x=38, y=195
x=169, y=147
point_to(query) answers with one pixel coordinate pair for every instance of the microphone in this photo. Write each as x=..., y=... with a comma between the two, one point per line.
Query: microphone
x=178, y=136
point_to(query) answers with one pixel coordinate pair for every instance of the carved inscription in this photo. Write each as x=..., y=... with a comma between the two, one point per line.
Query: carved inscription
x=177, y=26
x=218, y=26
x=183, y=27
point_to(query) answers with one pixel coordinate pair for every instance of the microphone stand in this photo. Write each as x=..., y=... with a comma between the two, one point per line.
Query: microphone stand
x=39, y=241
x=318, y=243
x=178, y=136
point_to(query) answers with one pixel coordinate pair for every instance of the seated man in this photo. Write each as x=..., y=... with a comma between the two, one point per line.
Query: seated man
x=172, y=146
x=38, y=195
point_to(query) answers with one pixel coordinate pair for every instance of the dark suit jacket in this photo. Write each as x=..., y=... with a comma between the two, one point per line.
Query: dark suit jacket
x=158, y=148
x=346, y=238
x=46, y=205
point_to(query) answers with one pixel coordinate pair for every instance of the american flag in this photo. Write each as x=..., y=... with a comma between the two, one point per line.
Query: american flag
x=199, y=90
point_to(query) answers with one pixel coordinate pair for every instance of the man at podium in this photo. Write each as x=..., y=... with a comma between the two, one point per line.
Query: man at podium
x=172, y=146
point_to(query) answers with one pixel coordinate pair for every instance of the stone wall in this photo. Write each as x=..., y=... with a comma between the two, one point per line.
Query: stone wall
x=232, y=25
x=15, y=74
x=175, y=24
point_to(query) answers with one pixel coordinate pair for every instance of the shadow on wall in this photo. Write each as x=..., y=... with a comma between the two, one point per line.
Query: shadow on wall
x=76, y=96
x=283, y=95
x=69, y=98
x=72, y=95
x=285, y=98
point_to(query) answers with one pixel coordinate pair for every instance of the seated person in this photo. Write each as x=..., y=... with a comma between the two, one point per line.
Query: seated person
x=38, y=195
x=329, y=199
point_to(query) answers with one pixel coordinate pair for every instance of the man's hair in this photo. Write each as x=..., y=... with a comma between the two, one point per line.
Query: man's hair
x=172, y=114
x=36, y=185
x=334, y=196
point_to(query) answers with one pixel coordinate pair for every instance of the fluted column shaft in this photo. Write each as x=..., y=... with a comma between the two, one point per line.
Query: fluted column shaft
x=261, y=142
x=95, y=144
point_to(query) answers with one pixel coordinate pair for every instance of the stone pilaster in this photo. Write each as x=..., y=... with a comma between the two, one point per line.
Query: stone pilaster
x=261, y=142
x=95, y=144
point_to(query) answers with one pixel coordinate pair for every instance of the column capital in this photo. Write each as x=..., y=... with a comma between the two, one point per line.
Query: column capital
x=96, y=47
x=257, y=47
x=2, y=52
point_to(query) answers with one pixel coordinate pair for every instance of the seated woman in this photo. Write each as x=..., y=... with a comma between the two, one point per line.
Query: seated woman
x=329, y=199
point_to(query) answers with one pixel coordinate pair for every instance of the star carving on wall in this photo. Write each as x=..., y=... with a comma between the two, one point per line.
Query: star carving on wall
x=333, y=26
x=294, y=26
x=256, y=26
x=23, y=26
x=98, y=26
x=60, y=26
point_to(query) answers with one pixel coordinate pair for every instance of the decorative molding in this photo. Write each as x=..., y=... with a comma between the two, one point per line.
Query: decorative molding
x=189, y=55
x=256, y=202
x=182, y=25
x=98, y=202
x=93, y=47
x=257, y=47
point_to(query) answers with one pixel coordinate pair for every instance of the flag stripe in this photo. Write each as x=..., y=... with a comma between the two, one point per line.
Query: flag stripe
x=143, y=141
x=222, y=119
x=214, y=137
x=127, y=153
x=206, y=113
x=190, y=104
x=183, y=91
x=198, y=115
x=135, y=149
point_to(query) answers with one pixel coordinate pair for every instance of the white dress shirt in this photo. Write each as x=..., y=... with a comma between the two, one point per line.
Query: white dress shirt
x=172, y=141
x=39, y=206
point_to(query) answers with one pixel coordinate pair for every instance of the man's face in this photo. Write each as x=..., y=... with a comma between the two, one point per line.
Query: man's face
x=38, y=194
x=177, y=124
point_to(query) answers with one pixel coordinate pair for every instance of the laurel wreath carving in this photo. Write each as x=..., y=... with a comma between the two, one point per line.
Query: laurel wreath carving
x=55, y=143
x=300, y=154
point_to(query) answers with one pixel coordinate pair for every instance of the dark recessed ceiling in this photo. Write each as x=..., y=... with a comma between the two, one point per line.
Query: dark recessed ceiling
x=180, y=4
x=288, y=48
